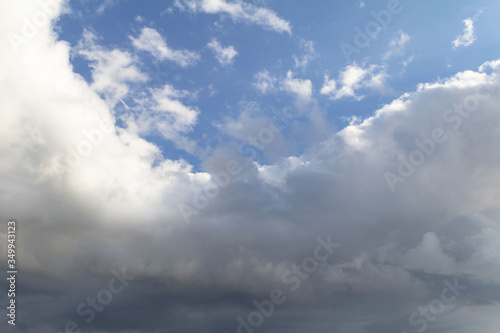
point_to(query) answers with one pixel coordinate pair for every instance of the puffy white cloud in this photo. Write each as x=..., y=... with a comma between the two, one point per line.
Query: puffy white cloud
x=150, y=40
x=467, y=37
x=224, y=55
x=238, y=11
x=355, y=77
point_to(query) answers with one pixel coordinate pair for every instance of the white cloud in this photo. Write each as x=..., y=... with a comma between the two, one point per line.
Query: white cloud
x=154, y=110
x=408, y=61
x=167, y=100
x=150, y=40
x=397, y=45
x=105, y=5
x=115, y=168
x=355, y=77
x=329, y=86
x=238, y=11
x=113, y=70
x=224, y=55
x=429, y=256
x=162, y=111
x=308, y=54
x=468, y=37
x=264, y=82
x=302, y=89
x=119, y=207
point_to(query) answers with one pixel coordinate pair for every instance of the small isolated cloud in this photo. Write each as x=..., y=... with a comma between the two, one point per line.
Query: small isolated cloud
x=355, y=77
x=238, y=11
x=467, y=37
x=105, y=5
x=329, y=87
x=361, y=4
x=308, y=54
x=264, y=82
x=397, y=45
x=224, y=55
x=150, y=40
x=113, y=70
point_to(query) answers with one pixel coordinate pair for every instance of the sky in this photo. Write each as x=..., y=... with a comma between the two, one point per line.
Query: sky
x=251, y=166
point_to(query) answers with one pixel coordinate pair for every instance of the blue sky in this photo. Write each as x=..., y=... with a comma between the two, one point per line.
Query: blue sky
x=310, y=50
x=223, y=166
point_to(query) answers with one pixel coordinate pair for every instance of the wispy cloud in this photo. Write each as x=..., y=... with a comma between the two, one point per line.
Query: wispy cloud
x=397, y=45
x=113, y=70
x=150, y=40
x=467, y=37
x=308, y=54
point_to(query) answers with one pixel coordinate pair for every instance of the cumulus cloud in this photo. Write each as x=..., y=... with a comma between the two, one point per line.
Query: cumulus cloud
x=224, y=55
x=355, y=77
x=238, y=11
x=467, y=37
x=150, y=40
